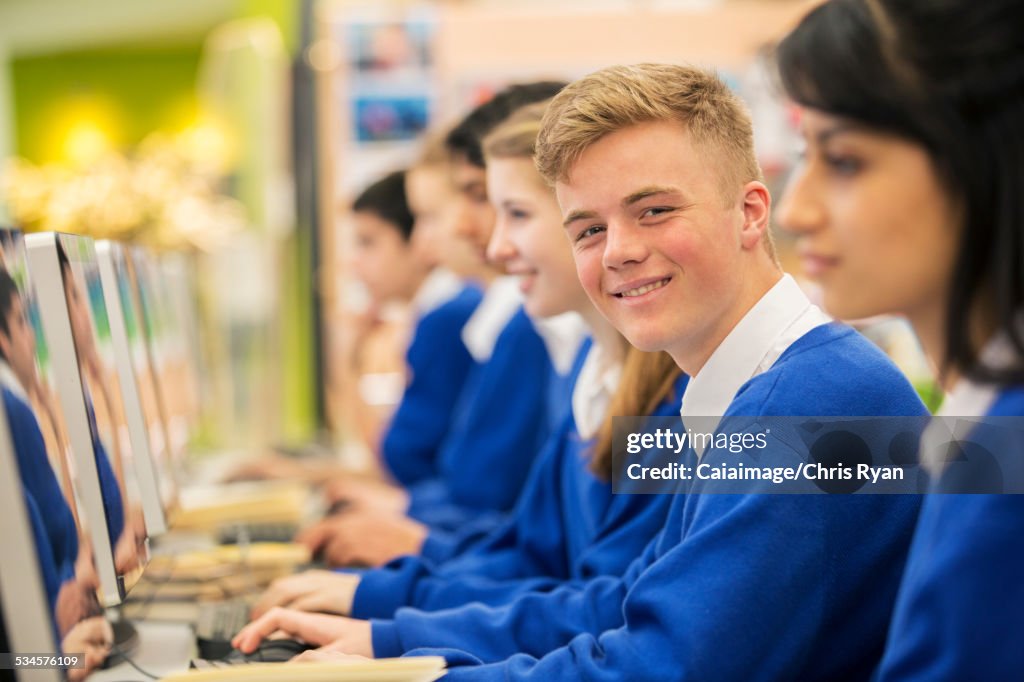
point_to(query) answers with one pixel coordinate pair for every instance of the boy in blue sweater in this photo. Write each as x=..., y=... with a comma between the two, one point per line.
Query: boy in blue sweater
x=735, y=587
x=909, y=202
x=567, y=525
x=512, y=398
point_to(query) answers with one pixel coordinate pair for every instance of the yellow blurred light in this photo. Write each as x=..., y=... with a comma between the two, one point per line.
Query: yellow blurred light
x=85, y=142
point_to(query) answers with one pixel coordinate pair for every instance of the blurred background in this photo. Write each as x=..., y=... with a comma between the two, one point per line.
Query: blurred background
x=230, y=135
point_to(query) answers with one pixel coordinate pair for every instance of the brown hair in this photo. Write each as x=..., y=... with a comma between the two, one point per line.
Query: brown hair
x=619, y=97
x=647, y=378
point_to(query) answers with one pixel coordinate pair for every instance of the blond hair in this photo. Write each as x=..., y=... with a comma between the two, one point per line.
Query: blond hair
x=516, y=136
x=648, y=379
x=619, y=97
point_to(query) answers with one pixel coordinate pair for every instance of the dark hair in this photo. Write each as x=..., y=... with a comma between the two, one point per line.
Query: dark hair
x=386, y=199
x=466, y=139
x=947, y=75
x=8, y=292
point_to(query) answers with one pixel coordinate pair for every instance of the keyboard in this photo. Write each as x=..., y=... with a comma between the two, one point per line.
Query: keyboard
x=244, y=533
x=217, y=624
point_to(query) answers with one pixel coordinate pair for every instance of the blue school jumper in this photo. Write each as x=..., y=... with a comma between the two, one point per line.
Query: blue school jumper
x=567, y=526
x=113, y=506
x=44, y=551
x=500, y=423
x=438, y=363
x=737, y=586
x=40, y=481
x=960, y=613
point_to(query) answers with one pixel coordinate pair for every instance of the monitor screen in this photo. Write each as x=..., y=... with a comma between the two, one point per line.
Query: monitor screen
x=66, y=284
x=138, y=386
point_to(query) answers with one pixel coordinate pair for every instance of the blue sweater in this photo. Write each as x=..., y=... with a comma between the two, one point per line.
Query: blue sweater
x=48, y=573
x=438, y=363
x=738, y=587
x=566, y=526
x=113, y=505
x=498, y=428
x=960, y=612
x=42, y=486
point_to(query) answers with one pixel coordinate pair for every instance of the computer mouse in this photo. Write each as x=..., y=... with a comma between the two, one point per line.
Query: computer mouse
x=271, y=651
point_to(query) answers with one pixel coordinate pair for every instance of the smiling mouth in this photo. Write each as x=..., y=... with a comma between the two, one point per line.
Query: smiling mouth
x=645, y=289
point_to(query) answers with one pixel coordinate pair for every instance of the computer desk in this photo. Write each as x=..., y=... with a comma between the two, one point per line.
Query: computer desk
x=163, y=649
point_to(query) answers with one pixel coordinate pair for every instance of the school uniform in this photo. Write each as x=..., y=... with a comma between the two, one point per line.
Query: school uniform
x=38, y=477
x=567, y=525
x=438, y=363
x=500, y=421
x=960, y=611
x=741, y=586
x=48, y=571
x=113, y=505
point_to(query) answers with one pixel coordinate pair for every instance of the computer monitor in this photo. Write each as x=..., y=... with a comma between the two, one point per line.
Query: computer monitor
x=177, y=272
x=66, y=283
x=156, y=330
x=138, y=386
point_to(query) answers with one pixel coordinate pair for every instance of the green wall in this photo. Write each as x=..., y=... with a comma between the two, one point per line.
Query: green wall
x=129, y=91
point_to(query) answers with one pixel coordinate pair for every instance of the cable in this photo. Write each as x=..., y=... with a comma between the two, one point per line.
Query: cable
x=115, y=649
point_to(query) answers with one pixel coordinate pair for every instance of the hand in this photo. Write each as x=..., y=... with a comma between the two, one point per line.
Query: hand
x=368, y=494
x=269, y=467
x=343, y=634
x=326, y=654
x=372, y=539
x=75, y=602
x=323, y=591
x=92, y=637
x=126, y=552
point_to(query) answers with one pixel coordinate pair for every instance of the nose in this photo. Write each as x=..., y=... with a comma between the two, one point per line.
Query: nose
x=623, y=244
x=801, y=210
x=500, y=249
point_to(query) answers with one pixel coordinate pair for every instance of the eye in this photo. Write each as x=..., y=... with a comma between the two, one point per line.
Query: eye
x=656, y=211
x=518, y=214
x=589, y=232
x=843, y=164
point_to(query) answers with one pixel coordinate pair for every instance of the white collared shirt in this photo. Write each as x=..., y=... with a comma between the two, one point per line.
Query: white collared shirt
x=439, y=287
x=967, y=399
x=592, y=395
x=779, y=318
x=10, y=380
x=500, y=302
x=562, y=336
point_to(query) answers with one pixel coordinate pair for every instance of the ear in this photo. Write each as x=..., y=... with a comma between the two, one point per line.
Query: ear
x=756, y=205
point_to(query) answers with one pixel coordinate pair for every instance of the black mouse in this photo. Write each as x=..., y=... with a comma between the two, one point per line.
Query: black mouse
x=271, y=651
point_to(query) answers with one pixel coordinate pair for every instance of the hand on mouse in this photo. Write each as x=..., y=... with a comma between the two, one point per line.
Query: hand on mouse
x=343, y=634
x=327, y=655
x=323, y=591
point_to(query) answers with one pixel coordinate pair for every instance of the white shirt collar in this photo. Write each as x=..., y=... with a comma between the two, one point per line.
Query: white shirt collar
x=499, y=304
x=592, y=395
x=780, y=317
x=439, y=287
x=562, y=335
x=10, y=380
x=967, y=399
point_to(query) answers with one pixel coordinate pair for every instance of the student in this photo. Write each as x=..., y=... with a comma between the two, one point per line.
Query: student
x=909, y=202
x=567, y=525
x=18, y=376
x=110, y=483
x=393, y=270
x=506, y=409
x=655, y=174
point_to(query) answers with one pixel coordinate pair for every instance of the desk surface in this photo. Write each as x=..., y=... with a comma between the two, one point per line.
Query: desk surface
x=164, y=648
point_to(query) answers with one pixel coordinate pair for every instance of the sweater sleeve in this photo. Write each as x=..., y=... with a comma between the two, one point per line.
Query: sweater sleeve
x=438, y=364
x=501, y=427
